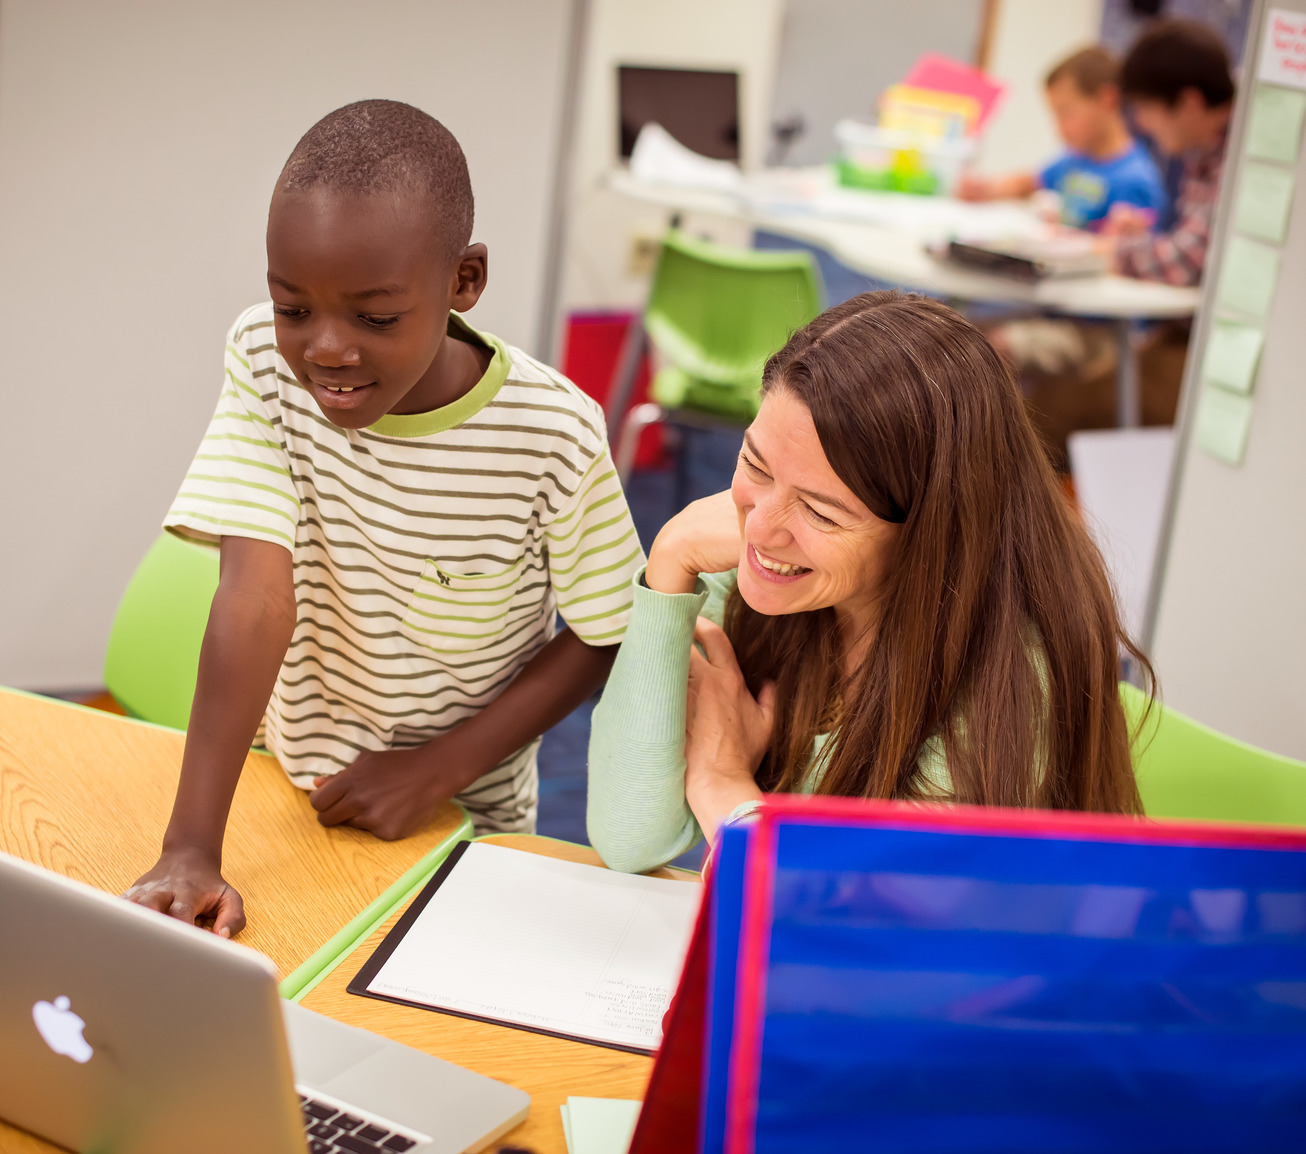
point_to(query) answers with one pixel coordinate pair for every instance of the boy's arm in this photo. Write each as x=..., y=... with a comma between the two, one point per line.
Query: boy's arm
x=593, y=553
x=1013, y=186
x=394, y=792
x=249, y=629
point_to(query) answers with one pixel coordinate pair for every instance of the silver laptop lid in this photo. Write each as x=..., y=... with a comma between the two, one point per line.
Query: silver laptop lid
x=127, y=1031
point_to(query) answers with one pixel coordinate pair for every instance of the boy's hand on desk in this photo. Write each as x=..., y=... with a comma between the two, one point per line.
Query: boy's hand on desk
x=188, y=885
x=394, y=792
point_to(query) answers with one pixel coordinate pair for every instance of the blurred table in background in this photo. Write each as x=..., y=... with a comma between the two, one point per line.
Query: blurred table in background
x=884, y=235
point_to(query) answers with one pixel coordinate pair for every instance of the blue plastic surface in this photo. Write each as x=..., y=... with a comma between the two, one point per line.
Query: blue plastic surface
x=933, y=991
x=723, y=950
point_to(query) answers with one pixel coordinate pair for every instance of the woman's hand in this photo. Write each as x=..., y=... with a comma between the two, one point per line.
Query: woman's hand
x=727, y=730
x=702, y=538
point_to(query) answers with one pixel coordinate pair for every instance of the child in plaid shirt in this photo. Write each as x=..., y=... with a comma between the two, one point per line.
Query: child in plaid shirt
x=1178, y=82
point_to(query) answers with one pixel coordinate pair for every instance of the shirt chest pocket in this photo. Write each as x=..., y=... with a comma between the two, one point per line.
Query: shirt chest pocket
x=455, y=612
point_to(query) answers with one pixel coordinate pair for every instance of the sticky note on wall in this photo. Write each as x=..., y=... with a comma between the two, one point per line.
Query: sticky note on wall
x=1283, y=48
x=1275, y=123
x=1223, y=421
x=1248, y=276
x=1232, y=353
x=1264, y=201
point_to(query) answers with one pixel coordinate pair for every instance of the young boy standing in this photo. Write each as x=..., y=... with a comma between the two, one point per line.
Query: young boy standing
x=401, y=504
x=1103, y=166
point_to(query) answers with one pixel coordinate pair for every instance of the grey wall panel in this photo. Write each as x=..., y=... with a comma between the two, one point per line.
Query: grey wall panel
x=1229, y=605
x=139, y=141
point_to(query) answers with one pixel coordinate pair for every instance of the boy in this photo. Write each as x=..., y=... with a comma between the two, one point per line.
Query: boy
x=401, y=503
x=1178, y=83
x=1105, y=166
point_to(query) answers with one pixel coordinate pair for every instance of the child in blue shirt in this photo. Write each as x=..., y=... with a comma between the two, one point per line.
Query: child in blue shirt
x=1103, y=165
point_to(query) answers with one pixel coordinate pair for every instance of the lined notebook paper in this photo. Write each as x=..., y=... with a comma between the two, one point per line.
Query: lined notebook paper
x=547, y=945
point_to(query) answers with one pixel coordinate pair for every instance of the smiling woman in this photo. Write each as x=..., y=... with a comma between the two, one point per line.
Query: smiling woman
x=896, y=602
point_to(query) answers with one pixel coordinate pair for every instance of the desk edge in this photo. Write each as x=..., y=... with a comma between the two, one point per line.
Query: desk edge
x=362, y=925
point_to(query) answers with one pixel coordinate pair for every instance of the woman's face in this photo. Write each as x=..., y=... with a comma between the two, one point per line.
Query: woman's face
x=806, y=541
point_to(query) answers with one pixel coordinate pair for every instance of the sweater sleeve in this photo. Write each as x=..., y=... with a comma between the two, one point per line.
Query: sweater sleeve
x=637, y=816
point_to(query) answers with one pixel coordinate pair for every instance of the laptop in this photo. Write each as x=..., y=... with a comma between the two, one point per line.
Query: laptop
x=123, y=1030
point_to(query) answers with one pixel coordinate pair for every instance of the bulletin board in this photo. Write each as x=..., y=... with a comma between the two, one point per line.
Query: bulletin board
x=1226, y=624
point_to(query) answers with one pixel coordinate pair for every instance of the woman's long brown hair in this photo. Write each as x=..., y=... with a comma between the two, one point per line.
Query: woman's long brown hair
x=922, y=420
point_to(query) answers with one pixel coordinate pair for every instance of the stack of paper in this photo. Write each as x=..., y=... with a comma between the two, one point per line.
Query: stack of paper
x=547, y=945
x=599, y=1125
x=659, y=158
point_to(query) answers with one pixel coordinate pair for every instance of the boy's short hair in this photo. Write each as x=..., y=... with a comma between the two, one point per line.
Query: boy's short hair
x=1173, y=55
x=386, y=146
x=1091, y=69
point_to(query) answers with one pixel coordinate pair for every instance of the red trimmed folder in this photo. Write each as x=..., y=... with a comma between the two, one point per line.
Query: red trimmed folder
x=875, y=974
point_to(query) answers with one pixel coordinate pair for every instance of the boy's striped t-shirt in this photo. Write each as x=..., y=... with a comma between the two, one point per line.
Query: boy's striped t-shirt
x=430, y=551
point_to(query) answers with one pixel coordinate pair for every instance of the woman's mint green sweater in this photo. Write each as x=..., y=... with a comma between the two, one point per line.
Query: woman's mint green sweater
x=636, y=814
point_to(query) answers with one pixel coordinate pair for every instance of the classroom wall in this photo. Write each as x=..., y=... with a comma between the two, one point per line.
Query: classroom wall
x=837, y=56
x=1027, y=38
x=720, y=34
x=139, y=142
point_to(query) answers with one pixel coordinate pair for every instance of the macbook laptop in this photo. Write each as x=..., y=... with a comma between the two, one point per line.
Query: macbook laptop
x=123, y=1030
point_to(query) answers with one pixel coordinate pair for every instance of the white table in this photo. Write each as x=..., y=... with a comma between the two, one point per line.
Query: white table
x=883, y=235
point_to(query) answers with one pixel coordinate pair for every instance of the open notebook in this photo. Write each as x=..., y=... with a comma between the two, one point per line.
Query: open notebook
x=552, y=946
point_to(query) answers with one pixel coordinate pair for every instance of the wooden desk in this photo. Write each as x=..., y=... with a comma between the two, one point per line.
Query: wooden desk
x=88, y=794
x=549, y=1069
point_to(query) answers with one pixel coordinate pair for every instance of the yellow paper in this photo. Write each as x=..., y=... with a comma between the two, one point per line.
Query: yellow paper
x=1248, y=276
x=1264, y=201
x=1274, y=125
x=1232, y=352
x=1223, y=422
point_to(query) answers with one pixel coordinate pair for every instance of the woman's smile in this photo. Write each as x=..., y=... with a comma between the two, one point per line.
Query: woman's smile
x=769, y=569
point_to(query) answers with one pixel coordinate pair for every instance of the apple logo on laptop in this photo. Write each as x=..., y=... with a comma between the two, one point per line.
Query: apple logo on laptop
x=61, y=1029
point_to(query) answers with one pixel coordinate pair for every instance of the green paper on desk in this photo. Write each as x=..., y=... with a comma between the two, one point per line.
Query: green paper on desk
x=566, y=1126
x=1223, y=422
x=1232, y=352
x=1248, y=276
x=1264, y=201
x=1274, y=125
x=599, y=1125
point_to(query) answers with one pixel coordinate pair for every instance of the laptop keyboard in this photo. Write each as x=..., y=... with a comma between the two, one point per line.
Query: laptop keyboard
x=332, y=1130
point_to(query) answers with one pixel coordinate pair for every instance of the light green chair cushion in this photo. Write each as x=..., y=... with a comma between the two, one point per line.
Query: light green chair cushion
x=154, y=646
x=1187, y=770
x=716, y=314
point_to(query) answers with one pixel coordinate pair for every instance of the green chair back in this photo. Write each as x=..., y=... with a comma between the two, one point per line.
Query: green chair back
x=154, y=646
x=716, y=314
x=1186, y=770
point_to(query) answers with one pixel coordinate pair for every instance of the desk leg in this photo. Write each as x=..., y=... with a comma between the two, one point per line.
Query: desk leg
x=1129, y=407
x=623, y=380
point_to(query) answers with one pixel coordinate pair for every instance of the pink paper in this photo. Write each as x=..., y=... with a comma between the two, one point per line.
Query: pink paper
x=941, y=74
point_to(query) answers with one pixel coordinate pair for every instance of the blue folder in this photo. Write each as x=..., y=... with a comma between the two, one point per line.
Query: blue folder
x=900, y=978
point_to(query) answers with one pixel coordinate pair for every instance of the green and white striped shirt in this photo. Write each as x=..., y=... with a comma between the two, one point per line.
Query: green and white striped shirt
x=430, y=551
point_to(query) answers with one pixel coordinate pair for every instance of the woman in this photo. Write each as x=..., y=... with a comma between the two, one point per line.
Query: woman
x=913, y=611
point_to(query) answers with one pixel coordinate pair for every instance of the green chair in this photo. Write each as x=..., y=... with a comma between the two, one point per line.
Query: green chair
x=1186, y=770
x=715, y=315
x=154, y=645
